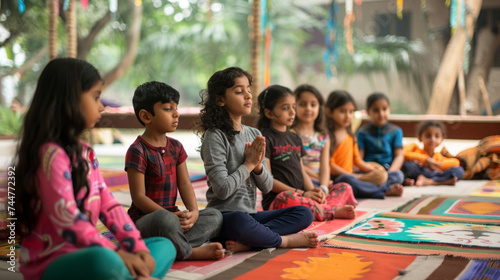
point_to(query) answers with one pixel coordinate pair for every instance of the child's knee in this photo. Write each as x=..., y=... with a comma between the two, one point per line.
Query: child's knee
x=213, y=215
x=163, y=219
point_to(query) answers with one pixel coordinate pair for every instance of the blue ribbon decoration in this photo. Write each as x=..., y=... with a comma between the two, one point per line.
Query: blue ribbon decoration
x=332, y=52
x=21, y=6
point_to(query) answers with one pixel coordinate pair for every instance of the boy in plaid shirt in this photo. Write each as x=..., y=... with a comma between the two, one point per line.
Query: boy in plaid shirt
x=156, y=168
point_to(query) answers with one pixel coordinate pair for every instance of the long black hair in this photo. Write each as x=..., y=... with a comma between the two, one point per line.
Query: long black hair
x=212, y=115
x=54, y=115
x=336, y=99
x=267, y=99
x=319, y=122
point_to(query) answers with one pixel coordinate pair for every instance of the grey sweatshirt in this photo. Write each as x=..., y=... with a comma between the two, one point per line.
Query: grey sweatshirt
x=230, y=186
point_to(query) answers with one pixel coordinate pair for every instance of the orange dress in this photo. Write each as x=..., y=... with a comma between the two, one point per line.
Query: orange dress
x=346, y=155
x=413, y=152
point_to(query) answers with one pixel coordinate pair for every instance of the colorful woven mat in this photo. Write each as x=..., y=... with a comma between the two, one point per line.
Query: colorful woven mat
x=492, y=189
x=472, y=209
x=419, y=234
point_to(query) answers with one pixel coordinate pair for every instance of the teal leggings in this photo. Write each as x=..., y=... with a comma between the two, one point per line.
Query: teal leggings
x=103, y=263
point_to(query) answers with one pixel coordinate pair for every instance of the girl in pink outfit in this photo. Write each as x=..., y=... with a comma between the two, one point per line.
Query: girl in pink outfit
x=60, y=193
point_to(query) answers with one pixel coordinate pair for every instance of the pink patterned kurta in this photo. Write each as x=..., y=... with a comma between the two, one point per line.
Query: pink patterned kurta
x=61, y=228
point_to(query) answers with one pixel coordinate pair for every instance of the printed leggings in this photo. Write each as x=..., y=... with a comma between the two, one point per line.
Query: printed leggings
x=339, y=195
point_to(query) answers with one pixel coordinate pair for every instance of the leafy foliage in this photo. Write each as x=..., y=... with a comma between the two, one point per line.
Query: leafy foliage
x=397, y=58
x=11, y=122
x=187, y=52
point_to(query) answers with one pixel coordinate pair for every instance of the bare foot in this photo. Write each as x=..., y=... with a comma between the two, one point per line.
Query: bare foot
x=210, y=251
x=450, y=182
x=395, y=190
x=345, y=212
x=235, y=246
x=424, y=181
x=298, y=240
x=408, y=182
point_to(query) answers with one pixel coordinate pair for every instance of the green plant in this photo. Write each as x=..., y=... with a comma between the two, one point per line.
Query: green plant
x=10, y=122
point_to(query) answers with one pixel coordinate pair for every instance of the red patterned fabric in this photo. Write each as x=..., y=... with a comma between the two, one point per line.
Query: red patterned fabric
x=339, y=195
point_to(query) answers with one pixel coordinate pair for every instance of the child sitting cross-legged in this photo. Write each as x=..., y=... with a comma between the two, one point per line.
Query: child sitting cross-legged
x=284, y=151
x=61, y=195
x=156, y=168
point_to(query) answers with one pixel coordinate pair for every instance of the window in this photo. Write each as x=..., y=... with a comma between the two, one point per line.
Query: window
x=390, y=24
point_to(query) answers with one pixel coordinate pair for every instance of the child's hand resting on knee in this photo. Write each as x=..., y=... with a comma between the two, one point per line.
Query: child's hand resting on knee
x=432, y=164
x=187, y=218
x=315, y=194
x=139, y=264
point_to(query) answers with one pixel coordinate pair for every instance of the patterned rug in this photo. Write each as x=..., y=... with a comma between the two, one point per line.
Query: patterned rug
x=447, y=267
x=492, y=189
x=319, y=263
x=476, y=209
x=336, y=263
x=421, y=235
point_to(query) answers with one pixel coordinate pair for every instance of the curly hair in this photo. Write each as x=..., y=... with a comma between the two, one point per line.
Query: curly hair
x=54, y=115
x=319, y=122
x=212, y=115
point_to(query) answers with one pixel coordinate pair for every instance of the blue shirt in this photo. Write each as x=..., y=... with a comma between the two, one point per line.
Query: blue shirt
x=379, y=143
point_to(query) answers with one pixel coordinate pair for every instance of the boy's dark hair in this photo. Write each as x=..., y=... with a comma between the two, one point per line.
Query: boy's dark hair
x=212, y=115
x=426, y=124
x=149, y=93
x=267, y=99
x=374, y=97
x=319, y=123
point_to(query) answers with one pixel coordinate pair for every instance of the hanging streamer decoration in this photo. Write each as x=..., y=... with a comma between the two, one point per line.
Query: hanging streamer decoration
x=399, y=9
x=113, y=6
x=348, y=20
x=359, y=13
x=85, y=4
x=65, y=5
x=266, y=26
x=21, y=6
x=453, y=16
x=332, y=46
x=458, y=12
x=467, y=47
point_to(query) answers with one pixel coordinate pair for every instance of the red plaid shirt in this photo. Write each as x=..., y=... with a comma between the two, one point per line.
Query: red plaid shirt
x=159, y=166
